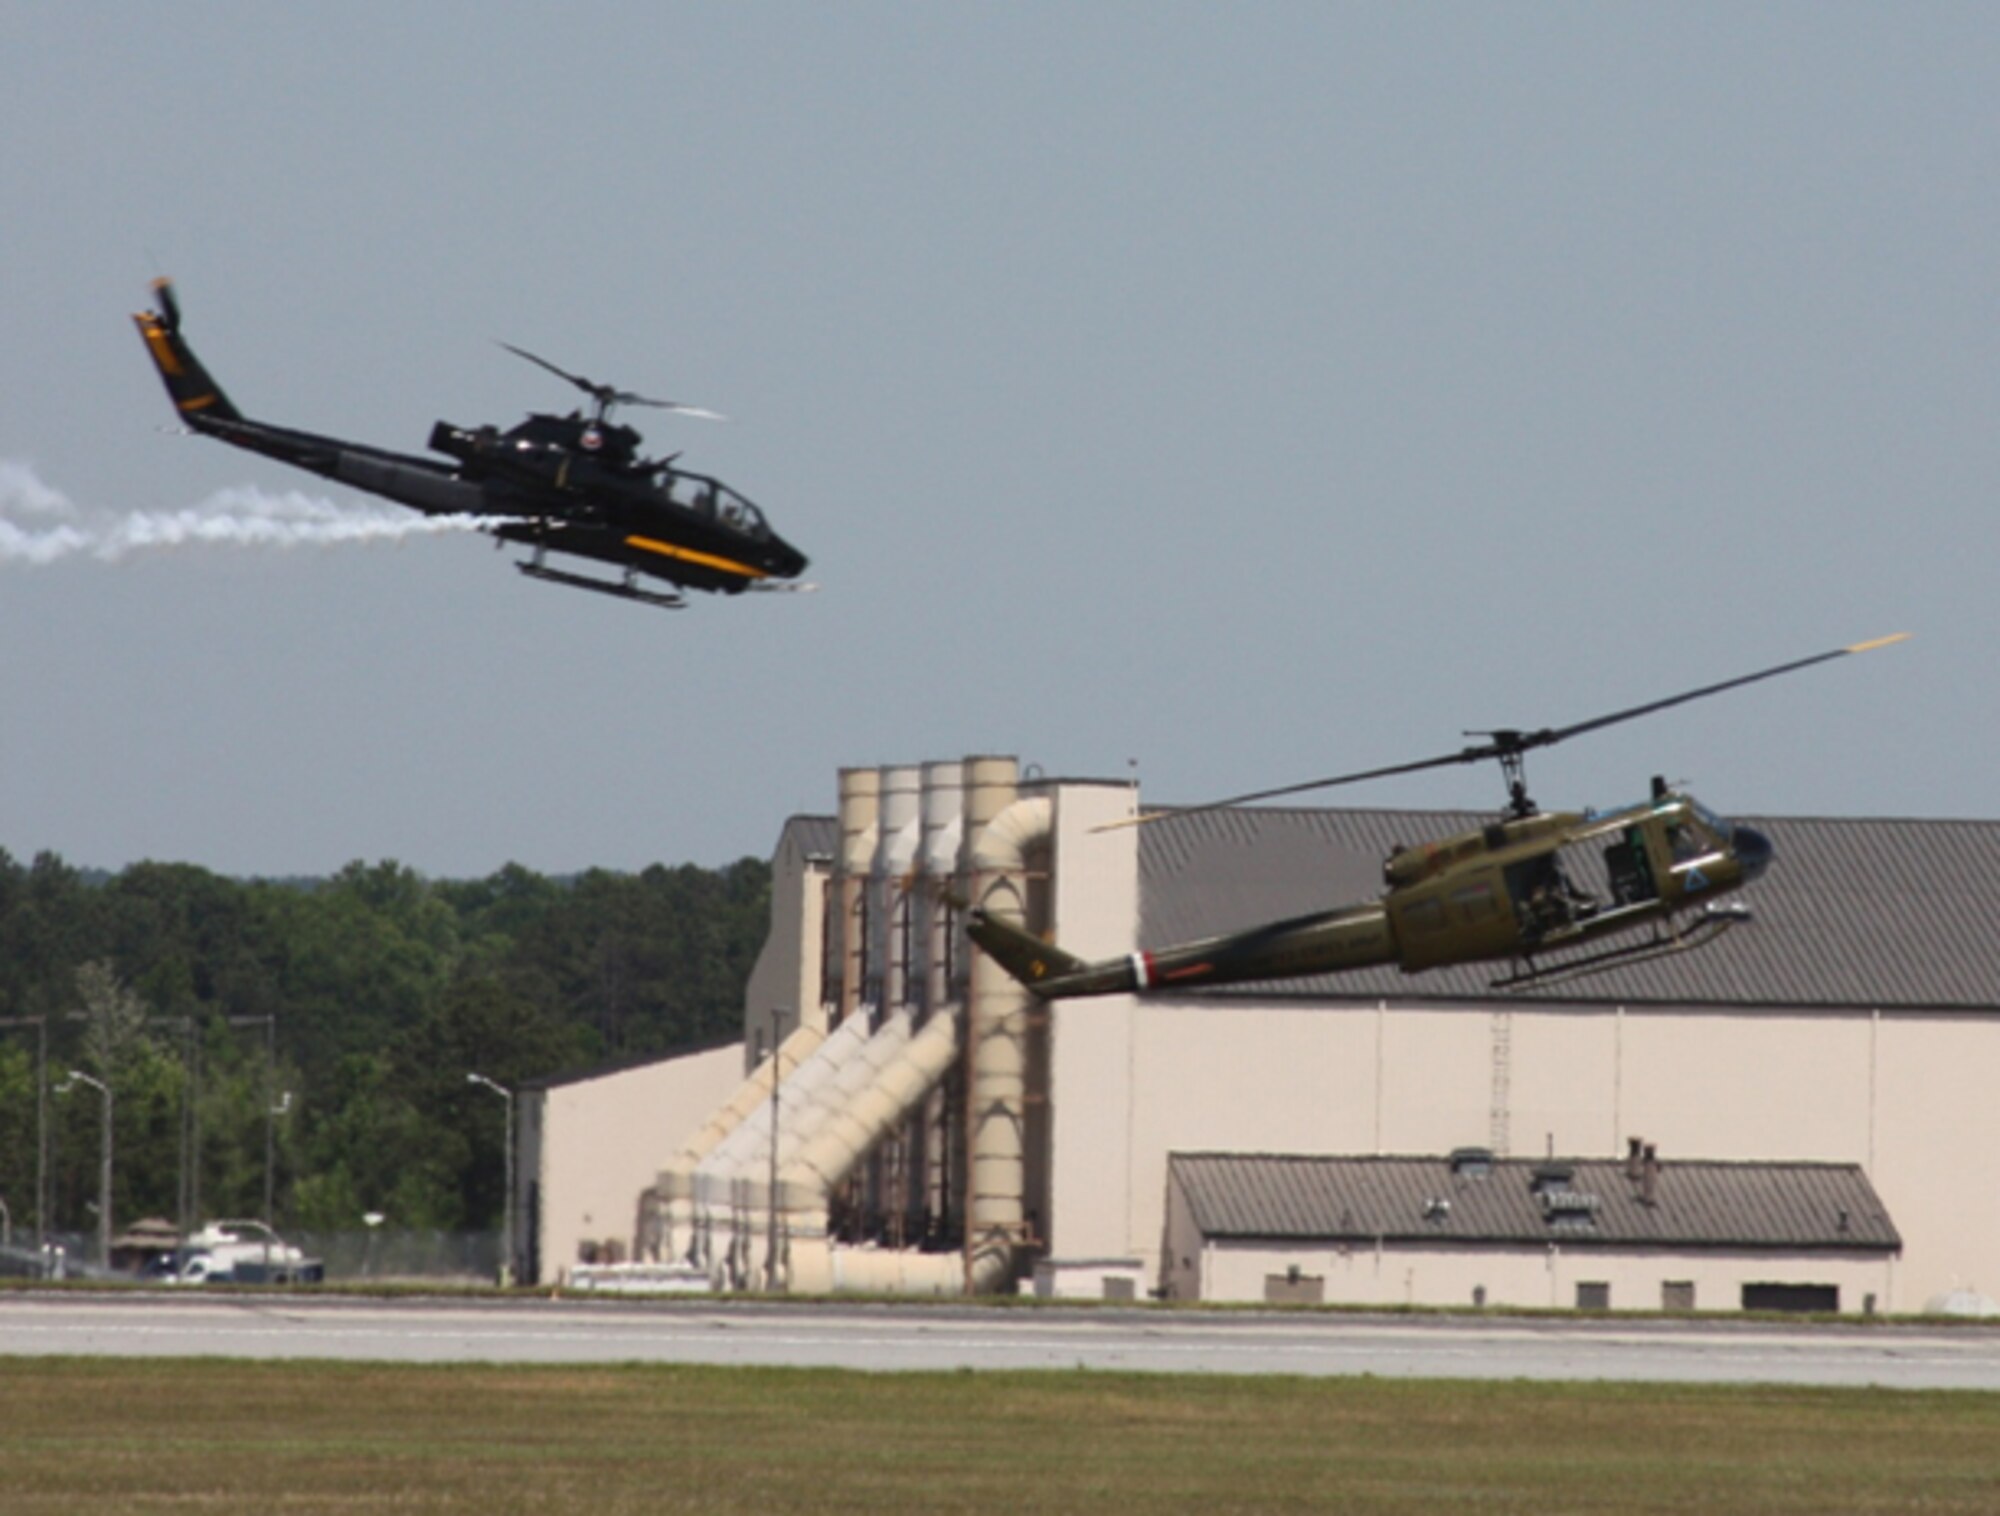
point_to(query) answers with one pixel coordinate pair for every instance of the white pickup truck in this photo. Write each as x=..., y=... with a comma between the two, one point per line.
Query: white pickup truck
x=244, y=1252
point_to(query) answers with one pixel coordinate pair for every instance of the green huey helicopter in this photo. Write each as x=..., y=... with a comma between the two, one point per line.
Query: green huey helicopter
x=1530, y=884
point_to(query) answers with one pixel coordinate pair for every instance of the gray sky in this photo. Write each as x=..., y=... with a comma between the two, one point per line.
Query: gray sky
x=1251, y=392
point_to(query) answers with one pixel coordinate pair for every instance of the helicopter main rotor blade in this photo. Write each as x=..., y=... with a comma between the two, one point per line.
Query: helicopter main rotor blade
x=595, y=391
x=1504, y=744
x=1443, y=760
x=699, y=412
x=1544, y=738
x=606, y=396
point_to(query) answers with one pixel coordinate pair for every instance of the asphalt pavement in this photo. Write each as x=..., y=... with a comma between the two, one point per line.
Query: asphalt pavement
x=907, y=1337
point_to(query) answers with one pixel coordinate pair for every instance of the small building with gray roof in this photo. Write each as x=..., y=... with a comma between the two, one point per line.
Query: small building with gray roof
x=1473, y=1229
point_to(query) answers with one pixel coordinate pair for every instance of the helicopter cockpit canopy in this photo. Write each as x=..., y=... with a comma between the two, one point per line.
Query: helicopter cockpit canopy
x=1695, y=833
x=714, y=501
x=1693, y=830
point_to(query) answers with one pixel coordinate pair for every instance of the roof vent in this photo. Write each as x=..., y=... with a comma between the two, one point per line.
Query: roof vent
x=1545, y=1177
x=1471, y=1163
x=1570, y=1210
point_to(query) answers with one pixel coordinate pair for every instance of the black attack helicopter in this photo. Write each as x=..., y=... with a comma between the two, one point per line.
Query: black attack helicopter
x=572, y=484
x=1530, y=884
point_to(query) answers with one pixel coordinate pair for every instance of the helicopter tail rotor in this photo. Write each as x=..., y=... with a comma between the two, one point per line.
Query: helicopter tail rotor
x=196, y=396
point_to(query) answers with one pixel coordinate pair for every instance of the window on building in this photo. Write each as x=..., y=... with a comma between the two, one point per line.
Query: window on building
x=1120, y=1287
x=829, y=946
x=1791, y=1297
x=1593, y=1295
x=867, y=970
x=903, y=948
x=1677, y=1295
x=947, y=930
x=1294, y=1288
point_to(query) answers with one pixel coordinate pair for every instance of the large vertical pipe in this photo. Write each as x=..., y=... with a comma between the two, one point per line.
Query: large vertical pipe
x=942, y=826
x=941, y=821
x=893, y=889
x=894, y=915
x=860, y=803
x=997, y=1028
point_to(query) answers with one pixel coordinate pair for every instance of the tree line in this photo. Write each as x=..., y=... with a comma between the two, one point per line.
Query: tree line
x=312, y=1038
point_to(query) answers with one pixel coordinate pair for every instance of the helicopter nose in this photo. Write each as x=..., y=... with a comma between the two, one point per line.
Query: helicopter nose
x=1753, y=851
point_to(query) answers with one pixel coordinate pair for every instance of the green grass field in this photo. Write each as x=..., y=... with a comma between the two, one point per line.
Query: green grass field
x=199, y=1436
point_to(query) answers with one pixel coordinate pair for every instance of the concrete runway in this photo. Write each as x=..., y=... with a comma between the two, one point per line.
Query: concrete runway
x=913, y=1337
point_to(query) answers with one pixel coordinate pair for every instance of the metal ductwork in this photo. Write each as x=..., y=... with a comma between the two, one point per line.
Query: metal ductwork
x=1000, y=828
x=813, y=1263
x=842, y=1093
x=675, y=1185
x=726, y=1212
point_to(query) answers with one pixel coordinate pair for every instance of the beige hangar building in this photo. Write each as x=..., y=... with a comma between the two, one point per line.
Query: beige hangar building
x=1804, y=1115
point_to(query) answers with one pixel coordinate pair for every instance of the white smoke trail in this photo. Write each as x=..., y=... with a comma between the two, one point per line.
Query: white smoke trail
x=39, y=525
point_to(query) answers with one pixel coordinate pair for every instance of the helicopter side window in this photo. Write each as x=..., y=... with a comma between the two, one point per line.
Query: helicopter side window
x=1475, y=902
x=1558, y=889
x=740, y=515
x=1722, y=828
x=1625, y=866
x=691, y=492
x=1689, y=840
x=1424, y=916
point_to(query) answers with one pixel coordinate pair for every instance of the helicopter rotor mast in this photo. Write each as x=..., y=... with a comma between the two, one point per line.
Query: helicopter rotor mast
x=1508, y=746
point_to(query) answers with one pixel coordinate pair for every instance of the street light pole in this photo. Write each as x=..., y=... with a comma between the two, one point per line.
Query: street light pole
x=76, y=1077
x=273, y=1109
x=271, y=1115
x=507, y=1208
x=778, y=1015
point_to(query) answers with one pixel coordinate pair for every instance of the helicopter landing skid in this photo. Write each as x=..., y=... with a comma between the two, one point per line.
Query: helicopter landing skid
x=622, y=589
x=1712, y=923
x=773, y=587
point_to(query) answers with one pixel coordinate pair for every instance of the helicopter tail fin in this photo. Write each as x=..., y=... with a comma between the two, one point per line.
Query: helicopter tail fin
x=196, y=396
x=1035, y=963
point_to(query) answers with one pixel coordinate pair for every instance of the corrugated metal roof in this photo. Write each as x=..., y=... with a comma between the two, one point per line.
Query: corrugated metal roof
x=1696, y=1204
x=1871, y=914
x=811, y=836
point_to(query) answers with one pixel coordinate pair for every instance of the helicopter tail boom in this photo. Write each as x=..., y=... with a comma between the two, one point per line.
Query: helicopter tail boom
x=1350, y=937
